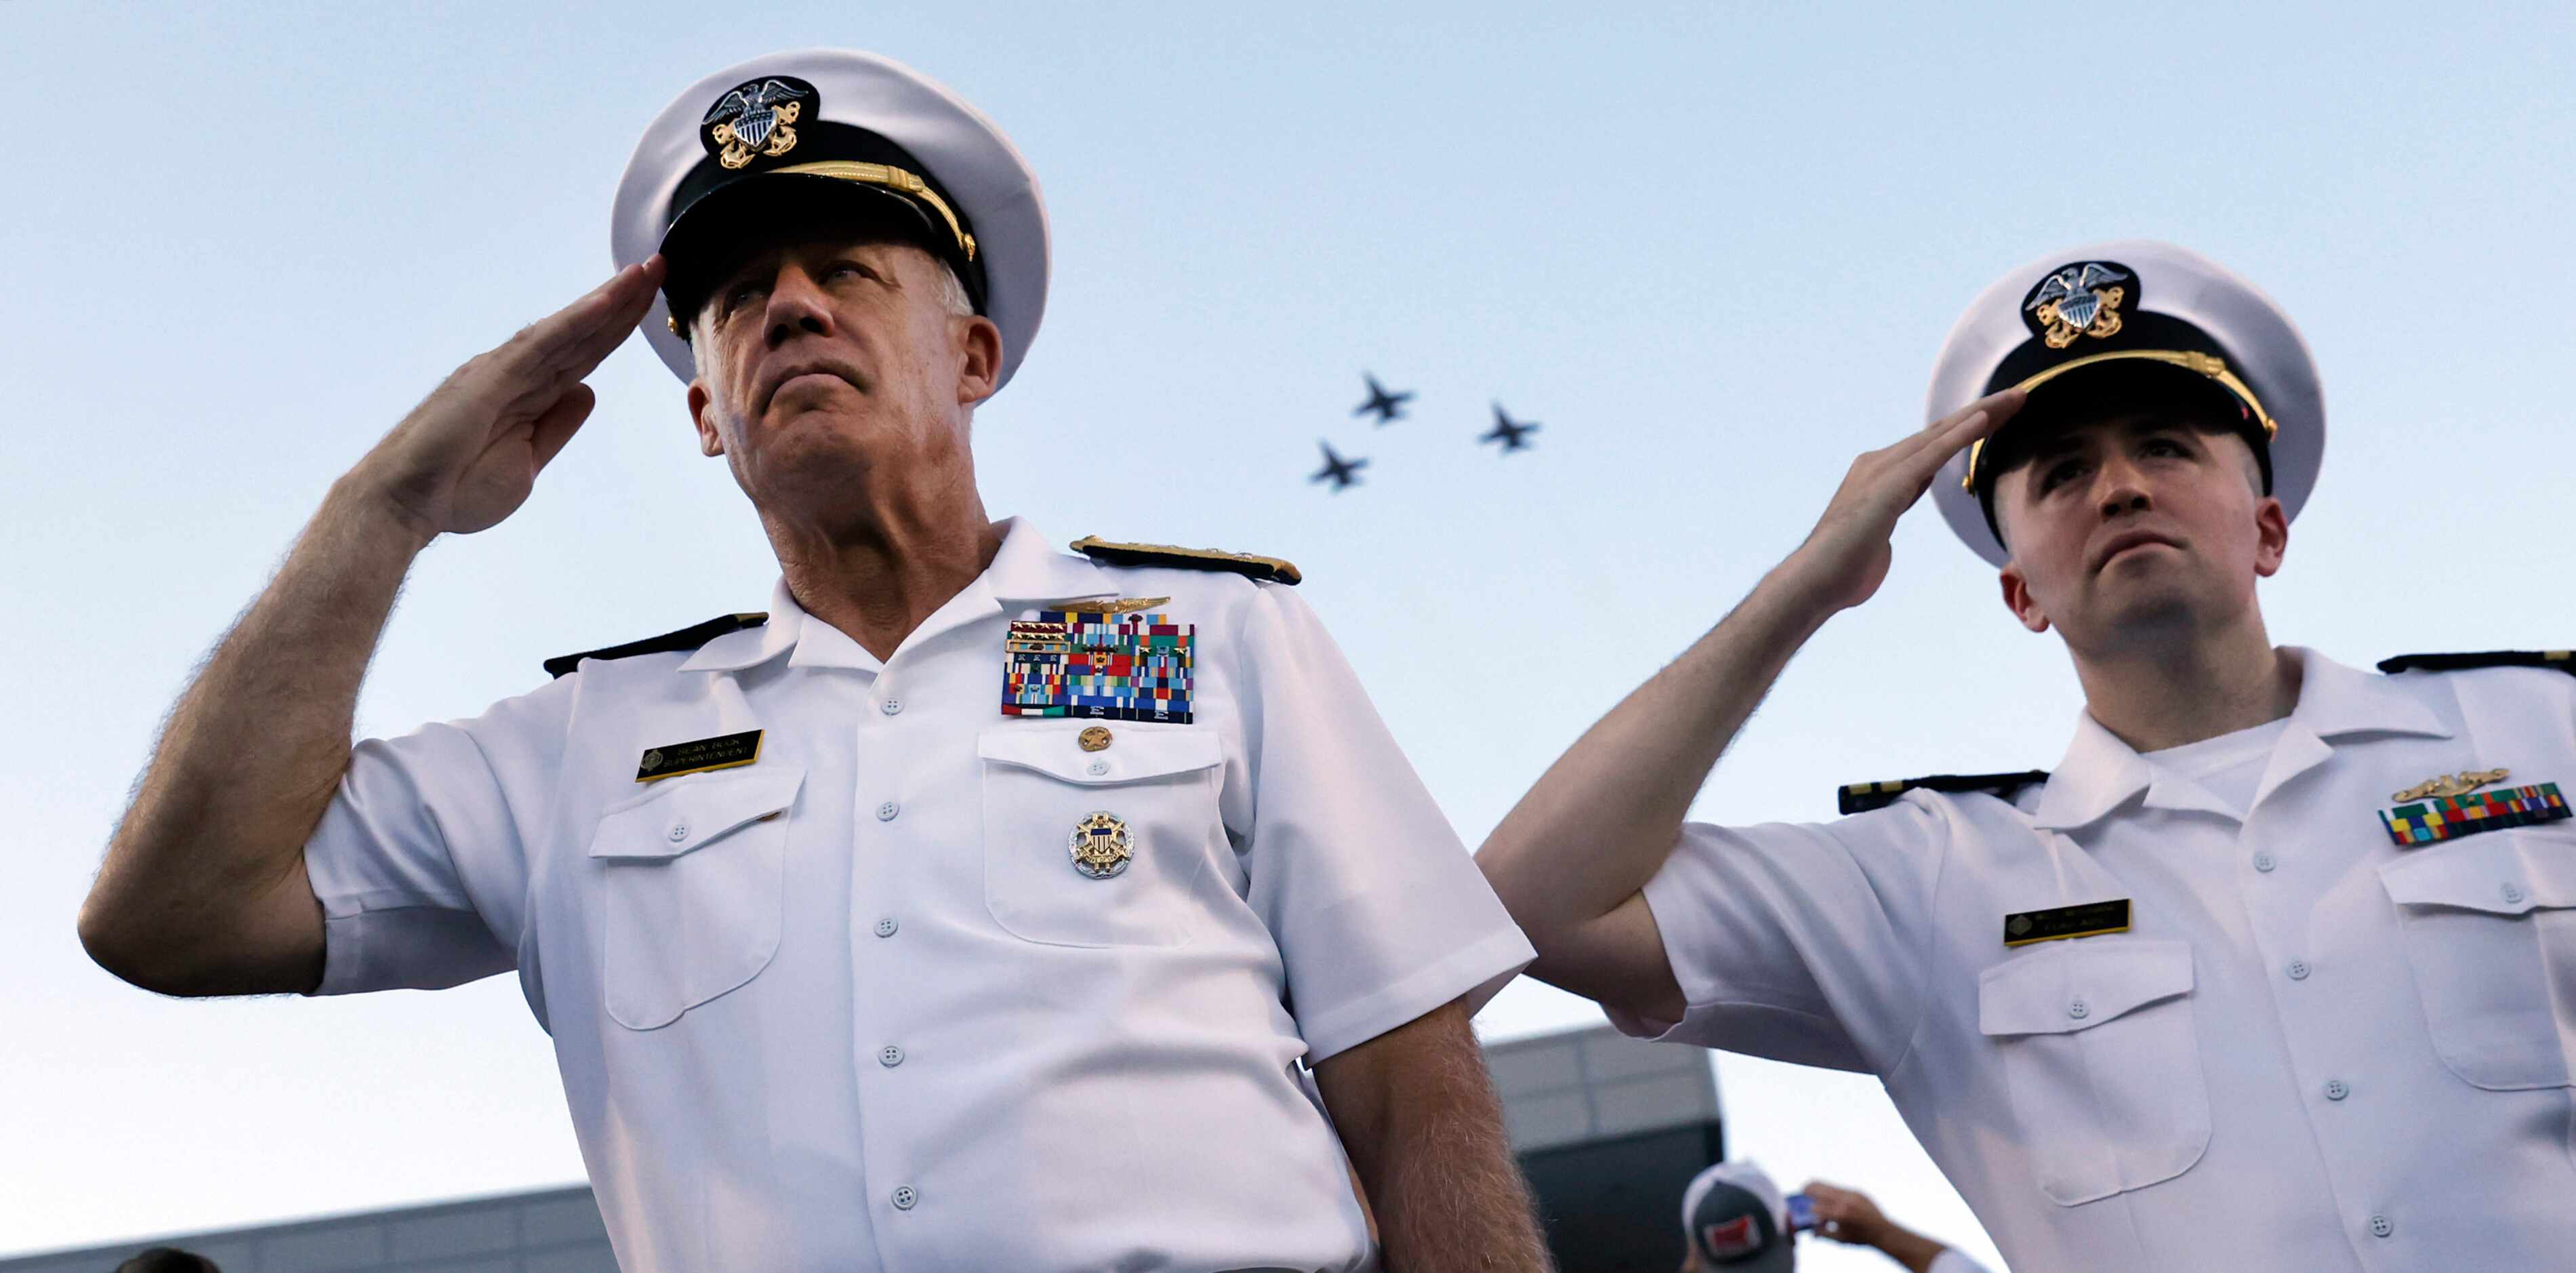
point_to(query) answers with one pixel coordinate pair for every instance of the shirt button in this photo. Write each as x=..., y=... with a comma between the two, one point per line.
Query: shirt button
x=889, y=1056
x=679, y=832
x=905, y=1197
x=2263, y=862
x=2381, y=1226
x=2298, y=970
x=2078, y=1011
x=886, y=926
x=2513, y=892
x=2335, y=1090
x=886, y=811
x=891, y=707
x=1099, y=767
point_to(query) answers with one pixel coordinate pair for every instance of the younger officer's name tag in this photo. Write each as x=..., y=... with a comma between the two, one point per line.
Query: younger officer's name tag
x=722, y=752
x=2090, y=919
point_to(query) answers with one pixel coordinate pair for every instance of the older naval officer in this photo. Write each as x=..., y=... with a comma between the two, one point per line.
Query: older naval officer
x=978, y=906
x=2276, y=971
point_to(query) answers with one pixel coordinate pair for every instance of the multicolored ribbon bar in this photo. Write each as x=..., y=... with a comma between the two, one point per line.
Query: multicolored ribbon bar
x=2450, y=817
x=1098, y=666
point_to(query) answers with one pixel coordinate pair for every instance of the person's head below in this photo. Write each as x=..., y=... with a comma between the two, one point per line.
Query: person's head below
x=1735, y=1219
x=2136, y=507
x=167, y=1259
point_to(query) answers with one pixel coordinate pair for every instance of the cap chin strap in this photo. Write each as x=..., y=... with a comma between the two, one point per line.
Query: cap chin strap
x=2209, y=365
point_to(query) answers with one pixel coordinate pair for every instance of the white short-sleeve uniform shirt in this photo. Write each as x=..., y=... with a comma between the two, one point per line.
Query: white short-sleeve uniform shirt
x=2313, y=1050
x=852, y=1007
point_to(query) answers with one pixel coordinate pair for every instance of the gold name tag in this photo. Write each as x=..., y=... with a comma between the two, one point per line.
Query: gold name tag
x=2091, y=919
x=725, y=751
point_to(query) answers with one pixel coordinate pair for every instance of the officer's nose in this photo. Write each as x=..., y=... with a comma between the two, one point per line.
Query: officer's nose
x=796, y=306
x=2123, y=490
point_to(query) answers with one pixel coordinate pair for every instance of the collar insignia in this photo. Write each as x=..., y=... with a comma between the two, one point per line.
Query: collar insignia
x=2077, y=300
x=756, y=117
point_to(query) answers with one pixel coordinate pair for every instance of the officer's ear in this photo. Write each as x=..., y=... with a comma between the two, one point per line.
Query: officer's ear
x=2271, y=537
x=702, y=413
x=2017, y=599
x=979, y=361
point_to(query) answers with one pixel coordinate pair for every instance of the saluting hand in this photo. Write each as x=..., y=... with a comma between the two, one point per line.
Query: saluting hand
x=1846, y=557
x=467, y=456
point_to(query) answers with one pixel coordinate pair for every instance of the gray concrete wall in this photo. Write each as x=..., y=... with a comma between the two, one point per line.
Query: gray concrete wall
x=1585, y=1085
x=553, y=1231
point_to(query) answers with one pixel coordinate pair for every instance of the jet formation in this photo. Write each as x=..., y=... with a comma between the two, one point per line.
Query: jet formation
x=1388, y=406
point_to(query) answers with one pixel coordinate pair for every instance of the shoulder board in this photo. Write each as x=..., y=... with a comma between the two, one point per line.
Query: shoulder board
x=688, y=638
x=1262, y=569
x=2563, y=660
x=1861, y=797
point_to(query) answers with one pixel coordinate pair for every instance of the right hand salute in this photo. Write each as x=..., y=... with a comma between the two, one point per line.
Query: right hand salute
x=204, y=889
x=467, y=456
x=1571, y=861
x=1846, y=557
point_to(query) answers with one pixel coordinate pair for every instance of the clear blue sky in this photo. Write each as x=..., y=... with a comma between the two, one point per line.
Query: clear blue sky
x=1712, y=247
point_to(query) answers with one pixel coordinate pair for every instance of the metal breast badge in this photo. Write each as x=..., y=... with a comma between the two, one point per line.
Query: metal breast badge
x=1100, y=846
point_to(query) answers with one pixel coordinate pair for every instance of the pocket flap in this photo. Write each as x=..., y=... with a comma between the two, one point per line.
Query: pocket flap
x=692, y=811
x=1132, y=755
x=2079, y=984
x=2500, y=872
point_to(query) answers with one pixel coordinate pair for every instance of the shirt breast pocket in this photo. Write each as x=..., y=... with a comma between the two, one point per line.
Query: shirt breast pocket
x=2102, y=1062
x=2489, y=927
x=693, y=878
x=1157, y=789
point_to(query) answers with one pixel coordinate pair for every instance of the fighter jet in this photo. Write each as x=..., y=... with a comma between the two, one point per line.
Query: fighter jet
x=1509, y=432
x=1388, y=406
x=1338, y=471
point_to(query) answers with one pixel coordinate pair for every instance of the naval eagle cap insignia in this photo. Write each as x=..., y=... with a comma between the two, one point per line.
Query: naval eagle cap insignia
x=757, y=118
x=2077, y=300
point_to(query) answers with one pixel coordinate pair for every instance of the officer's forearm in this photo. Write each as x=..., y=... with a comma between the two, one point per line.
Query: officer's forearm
x=1418, y=1116
x=203, y=890
x=1909, y=1248
x=1604, y=817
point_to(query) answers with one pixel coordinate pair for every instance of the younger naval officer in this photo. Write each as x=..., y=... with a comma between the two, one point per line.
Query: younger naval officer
x=2278, y=969
x=972, y=909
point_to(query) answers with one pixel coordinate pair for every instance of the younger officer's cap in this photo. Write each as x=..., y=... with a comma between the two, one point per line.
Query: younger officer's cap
x=2140, y=322
x=841, y=137
x=1737, y=1219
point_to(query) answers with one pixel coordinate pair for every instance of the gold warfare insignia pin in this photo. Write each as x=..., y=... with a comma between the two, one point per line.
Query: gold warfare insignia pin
x=757, y=118
x=725, y=751
x=1100, y=846
x=2082, y=299
x=2091, y=919
x=2459, y=784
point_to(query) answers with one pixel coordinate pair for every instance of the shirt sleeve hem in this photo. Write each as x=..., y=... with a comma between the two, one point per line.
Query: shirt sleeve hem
x=1474, y=973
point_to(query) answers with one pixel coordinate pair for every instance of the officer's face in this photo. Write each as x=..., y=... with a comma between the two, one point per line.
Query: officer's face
x=2136, y=529
x=823, y=361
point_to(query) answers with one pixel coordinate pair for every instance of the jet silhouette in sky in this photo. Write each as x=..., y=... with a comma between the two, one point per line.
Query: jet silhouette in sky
x=1340, y=472
x=1514, y=435
x=1387, y=406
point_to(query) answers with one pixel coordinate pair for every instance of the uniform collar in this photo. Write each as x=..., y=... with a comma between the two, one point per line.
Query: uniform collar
x=1024, y=570
x=2100, y=773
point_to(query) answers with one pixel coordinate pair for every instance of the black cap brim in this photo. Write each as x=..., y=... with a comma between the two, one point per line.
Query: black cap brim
x=715, y=234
